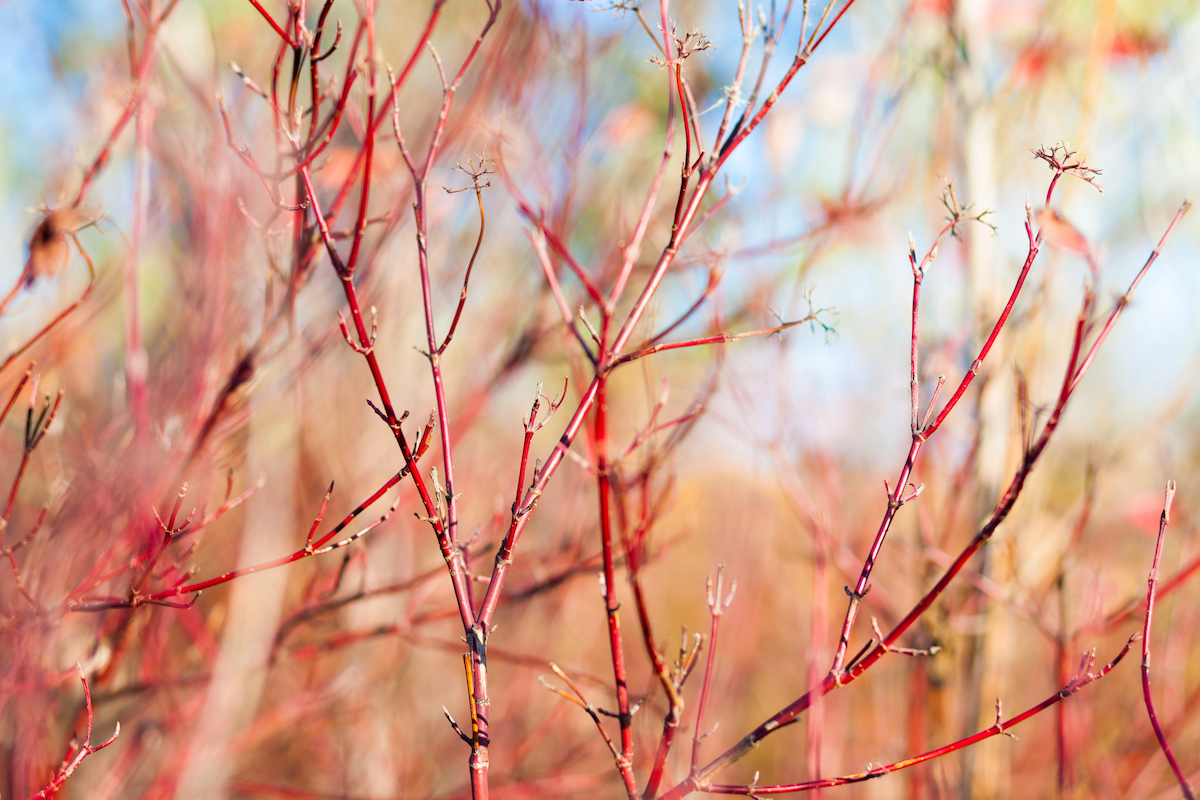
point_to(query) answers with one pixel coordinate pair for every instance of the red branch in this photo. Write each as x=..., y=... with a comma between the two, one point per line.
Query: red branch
x=78, y=753
x=1081, y=679
x=1152, y=584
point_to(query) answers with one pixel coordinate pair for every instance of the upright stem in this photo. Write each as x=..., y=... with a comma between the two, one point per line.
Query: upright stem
x=368, y=148
x=895, y=500
x=700, y=733
x=435, y=360
x=611, y=604
x=1152, y=586
x=914, y=386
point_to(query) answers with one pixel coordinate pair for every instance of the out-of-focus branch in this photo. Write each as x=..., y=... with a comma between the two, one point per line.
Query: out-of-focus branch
x=78, y=751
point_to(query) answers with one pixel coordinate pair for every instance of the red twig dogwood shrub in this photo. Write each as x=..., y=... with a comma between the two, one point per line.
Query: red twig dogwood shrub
x=375, y=374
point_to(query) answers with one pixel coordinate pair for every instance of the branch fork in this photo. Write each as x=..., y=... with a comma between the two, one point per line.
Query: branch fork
x=366, y=347
x=906, y=651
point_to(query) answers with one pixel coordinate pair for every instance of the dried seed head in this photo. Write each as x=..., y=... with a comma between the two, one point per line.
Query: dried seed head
x=48, y=245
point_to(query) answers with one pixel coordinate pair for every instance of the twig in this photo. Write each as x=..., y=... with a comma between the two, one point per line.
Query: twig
x=1152, y=585
x=1081, y=679
x=716, y=607
x=78, y=752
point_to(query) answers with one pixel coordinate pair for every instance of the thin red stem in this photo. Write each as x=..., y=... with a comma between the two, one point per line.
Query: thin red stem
x=720, y=338
x=16, y=392
x=709, y=667
x=674, y=701
x=381, y=114
x=462, y=296
x=1124, y=299
x=611, y=604
x=368, y=148
x=267, y=16
x=634, y=248
x=79, y=753
x=1001, y=727
x=168, y=530
x=1151, y=586
x=66, y=312
x=969, y=377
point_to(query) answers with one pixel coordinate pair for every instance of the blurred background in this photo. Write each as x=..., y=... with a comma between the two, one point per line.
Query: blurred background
x=192, y=360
